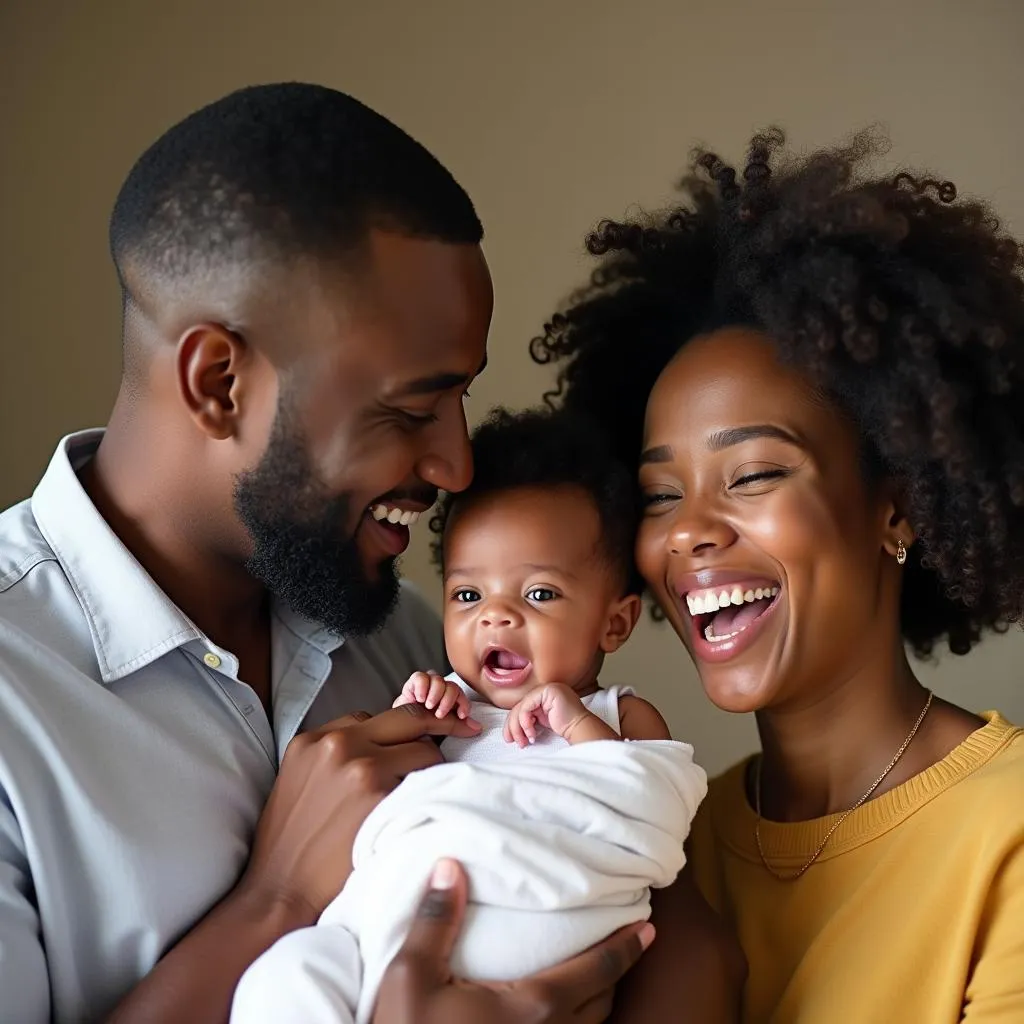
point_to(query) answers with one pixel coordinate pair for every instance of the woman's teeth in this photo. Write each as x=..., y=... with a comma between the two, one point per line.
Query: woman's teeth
x=395, y=516
x=711, y=638
x=710, y=601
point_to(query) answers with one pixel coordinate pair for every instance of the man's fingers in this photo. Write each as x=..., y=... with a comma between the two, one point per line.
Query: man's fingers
x=599, y=968
x=345, y=722
x=438, y=918
x=411, y=722
x=398, y=760
x=596, y=1010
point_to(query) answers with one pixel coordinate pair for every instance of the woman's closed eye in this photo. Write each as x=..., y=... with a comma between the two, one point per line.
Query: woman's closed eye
x=652, y=499
x=760, y=476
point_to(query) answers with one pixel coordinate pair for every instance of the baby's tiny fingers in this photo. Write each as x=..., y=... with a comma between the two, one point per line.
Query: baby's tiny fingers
x=514, y=730
x=435, y=691
x=448, y=700
x=420, y=686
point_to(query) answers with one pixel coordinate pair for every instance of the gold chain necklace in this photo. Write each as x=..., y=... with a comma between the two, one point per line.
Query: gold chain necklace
x=793, y=875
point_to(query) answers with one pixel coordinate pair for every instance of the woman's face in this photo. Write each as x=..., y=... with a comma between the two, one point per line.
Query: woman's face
x=761, y=540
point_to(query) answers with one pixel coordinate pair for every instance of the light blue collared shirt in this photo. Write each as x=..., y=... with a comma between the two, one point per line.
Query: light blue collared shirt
x=134, y=763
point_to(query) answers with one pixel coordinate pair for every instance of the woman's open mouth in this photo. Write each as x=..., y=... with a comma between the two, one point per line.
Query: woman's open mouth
x=727, y=619
x=502, y=667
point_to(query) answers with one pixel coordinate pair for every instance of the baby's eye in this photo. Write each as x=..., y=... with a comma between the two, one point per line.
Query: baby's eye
x=541, y=594
x=465, y=596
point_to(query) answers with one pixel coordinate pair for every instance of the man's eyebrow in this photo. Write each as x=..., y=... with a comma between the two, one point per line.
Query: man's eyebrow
x=435, y=383
x=731, y=436
x=438, y=382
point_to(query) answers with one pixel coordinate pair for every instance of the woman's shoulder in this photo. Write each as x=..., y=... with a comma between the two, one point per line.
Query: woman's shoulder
x=989, y=761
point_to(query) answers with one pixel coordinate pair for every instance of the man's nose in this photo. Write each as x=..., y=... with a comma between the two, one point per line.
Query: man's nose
x=448, y=463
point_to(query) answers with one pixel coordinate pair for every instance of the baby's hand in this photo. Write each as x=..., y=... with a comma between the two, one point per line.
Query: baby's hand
x=556, y=707
x=430, y=690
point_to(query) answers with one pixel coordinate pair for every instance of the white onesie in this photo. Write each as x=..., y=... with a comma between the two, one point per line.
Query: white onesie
x=561, y=844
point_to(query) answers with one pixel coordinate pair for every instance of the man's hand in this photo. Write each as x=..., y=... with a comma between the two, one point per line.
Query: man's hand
x=330, y=780
x=436, y=694
x=556, y=707
x=418, y=987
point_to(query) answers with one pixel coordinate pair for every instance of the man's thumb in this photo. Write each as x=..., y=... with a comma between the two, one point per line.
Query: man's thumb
x=438, y=918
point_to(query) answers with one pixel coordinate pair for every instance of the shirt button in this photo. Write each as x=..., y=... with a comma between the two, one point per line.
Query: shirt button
x=211, y=659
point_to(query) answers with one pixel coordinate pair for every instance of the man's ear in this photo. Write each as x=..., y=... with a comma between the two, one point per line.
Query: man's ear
x=209, y=358
x=622, y=618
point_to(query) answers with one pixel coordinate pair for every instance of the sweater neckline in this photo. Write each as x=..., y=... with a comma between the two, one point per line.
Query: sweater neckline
x=787, y=845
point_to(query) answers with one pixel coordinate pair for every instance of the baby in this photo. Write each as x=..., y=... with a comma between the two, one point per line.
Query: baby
x=562, y=827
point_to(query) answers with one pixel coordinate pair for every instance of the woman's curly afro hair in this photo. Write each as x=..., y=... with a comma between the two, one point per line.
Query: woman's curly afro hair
x=901, y=301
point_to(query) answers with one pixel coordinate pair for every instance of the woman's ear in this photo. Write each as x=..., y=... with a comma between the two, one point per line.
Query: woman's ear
x=897, y=533
x=622, y=617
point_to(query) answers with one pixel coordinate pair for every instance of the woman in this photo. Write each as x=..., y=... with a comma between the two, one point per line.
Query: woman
x=832, y=468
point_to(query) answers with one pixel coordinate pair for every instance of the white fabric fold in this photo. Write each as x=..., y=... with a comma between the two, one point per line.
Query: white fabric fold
x=561, y=848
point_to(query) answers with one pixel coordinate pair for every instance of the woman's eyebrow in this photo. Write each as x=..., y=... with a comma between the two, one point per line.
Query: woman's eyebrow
x=722, y=439
x=660, y=453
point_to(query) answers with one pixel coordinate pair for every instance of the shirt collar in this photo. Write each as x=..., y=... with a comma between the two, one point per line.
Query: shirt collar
x=131, y=620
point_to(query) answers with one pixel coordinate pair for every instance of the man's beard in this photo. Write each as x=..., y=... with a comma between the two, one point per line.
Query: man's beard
x=301, y=553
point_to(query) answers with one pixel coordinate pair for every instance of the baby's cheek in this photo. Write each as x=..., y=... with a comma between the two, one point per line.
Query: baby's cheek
x=557, y=657
x=458, y=644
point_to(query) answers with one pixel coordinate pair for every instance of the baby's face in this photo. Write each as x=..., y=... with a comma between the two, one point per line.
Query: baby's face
x=529, y=596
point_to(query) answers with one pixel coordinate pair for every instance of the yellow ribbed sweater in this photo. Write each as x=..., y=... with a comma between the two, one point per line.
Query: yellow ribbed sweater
x=914, y=912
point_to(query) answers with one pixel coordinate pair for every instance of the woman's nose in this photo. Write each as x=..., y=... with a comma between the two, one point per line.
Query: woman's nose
x=693, y=533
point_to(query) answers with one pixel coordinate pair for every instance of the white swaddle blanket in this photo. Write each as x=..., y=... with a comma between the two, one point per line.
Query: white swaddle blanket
x=561, y=847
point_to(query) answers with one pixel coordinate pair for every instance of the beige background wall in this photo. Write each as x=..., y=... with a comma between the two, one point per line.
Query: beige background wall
x=551, y=113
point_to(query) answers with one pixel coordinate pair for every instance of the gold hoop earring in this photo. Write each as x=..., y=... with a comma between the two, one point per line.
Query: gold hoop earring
x=901, y=552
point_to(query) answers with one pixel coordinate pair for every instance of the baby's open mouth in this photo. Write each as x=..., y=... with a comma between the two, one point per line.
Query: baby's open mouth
x=504, y=667
x=722, y=613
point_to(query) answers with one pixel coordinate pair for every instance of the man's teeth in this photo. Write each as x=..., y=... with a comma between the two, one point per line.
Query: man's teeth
x=711, y=601
x=395, y=516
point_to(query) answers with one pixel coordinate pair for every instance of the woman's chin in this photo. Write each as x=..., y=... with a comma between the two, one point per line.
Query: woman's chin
x=735, y=691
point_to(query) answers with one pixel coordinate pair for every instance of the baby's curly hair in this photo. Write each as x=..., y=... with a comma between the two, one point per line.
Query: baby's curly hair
x=551, y=448
x=903, y=302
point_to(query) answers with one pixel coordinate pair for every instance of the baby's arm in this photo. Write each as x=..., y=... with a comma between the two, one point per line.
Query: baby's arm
x=559, y=708
x=556, y=707
x=640, y=720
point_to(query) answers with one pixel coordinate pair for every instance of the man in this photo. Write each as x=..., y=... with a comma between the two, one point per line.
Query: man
x=210, y=582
